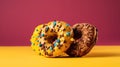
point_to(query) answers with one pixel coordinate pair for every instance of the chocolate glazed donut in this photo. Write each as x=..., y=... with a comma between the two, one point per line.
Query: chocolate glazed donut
x=85, y=36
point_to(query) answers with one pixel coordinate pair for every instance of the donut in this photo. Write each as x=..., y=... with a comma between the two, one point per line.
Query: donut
x=85, y=36
x=34, y=38
x=55, y=38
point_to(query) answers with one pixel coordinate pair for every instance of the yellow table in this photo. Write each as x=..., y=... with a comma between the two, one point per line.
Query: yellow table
x=23, y=56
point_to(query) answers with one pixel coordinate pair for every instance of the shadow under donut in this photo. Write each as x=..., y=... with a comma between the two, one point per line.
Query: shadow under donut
x=103, y=54
x=96, y=55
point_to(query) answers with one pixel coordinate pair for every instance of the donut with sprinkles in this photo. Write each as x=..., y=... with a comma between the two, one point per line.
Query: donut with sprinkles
x=55, y=38
x=34, y=38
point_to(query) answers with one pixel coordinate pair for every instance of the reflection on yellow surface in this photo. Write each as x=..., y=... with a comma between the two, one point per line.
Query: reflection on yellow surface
x=23, y=56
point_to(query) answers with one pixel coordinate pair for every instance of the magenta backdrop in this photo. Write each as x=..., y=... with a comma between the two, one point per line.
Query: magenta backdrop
x=18, y=18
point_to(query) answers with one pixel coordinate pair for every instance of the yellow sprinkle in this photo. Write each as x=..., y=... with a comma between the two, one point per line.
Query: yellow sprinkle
x=72, y=39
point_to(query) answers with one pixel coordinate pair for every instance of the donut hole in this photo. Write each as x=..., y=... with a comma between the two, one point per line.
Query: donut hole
x=52, y=38
x=77, y=33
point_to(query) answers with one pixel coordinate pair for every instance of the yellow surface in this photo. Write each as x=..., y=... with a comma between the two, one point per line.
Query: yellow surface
x=23, y=56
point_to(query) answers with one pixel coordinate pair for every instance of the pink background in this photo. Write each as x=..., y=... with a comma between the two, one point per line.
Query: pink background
x=18, y=18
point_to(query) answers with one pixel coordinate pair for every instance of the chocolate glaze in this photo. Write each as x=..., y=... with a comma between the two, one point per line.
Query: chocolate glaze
x=85, y=36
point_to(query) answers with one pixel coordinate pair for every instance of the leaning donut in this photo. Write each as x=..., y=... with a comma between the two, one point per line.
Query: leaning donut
x=55, y=38
x=34, y=38
x=85, y=36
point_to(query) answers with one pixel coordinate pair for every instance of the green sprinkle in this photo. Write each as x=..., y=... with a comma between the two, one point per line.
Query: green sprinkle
x=58, y=40
x=42, y=35
x=46, y=29
x=36, y=29
x=55, y=44
x=67, y=24
x=51, y=48
x=33, y=43
x=68, y=33
x=37, y=40
x=54, y=23
x=40, y=45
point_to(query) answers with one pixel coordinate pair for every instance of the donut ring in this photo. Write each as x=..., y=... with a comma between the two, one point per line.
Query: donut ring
x=85, y=36
x=55, y=38
x=34, y=38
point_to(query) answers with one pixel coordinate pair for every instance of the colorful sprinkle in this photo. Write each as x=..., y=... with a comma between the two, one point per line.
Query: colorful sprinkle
x=39, y=53
x=58, y=40
x=57, y=25
x=58, y=29
x=44, y=26
x=33, y=43
x=46, y=29
x=51, y=30
x=54, y=23
x=64, y=41
x=36, y=29
x=40, y=45
x=51, y=48
x=37, y=40
x=61, y=36
x=60, y=26
x=42, y=35
x=67, y=24
x=45, y=38
x=68, y=33
x=55, y=44
x=64, y=29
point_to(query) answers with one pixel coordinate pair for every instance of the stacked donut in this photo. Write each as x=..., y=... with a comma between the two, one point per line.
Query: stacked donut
x=59, y=39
